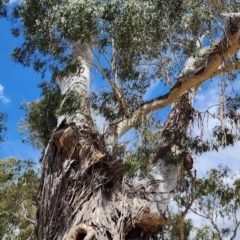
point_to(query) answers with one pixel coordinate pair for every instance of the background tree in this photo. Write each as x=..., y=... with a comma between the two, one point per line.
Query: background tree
x=18, y=187
x=172, y=230
x=40, y=116
x=83, y=192
x=205, y=232
x=217, y=200
x=213, y=198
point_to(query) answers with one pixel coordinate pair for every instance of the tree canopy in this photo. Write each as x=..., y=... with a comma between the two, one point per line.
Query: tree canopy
x=40, y=116
x=3, y=8
x=134, y=44
x=127, y=47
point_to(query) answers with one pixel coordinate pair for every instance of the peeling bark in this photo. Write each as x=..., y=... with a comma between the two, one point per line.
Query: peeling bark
x=83, y=192
x=84, y=195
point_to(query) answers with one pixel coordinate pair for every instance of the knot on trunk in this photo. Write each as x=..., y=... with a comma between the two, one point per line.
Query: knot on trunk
x=81, y=232
x=187, y=162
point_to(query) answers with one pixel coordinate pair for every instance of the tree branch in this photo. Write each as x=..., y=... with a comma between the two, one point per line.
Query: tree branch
x=119, y=95
x=229, y=67
x=210, y=62
x=235, y=231
x=117, y=91
x=214, y=225
x=185, y=212
x=237, y=223
x=30, y=221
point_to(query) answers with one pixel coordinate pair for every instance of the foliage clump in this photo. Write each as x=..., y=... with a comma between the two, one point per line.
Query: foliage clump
x=40, y=117
x=18, y=189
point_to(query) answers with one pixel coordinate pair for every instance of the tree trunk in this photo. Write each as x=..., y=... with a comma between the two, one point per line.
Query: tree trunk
x=83, y=193
x=78, y=84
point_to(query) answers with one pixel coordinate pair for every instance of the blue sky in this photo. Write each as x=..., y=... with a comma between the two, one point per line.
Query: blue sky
x=17, y=84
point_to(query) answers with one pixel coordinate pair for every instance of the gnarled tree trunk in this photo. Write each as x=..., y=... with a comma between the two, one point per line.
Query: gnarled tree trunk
x=83, y=192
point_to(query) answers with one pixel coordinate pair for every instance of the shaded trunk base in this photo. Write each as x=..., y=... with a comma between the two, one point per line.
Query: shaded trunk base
x=83, y=193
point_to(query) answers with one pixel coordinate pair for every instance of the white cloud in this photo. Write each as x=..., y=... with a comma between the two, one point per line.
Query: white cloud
x=2, y=97
x=227, y=157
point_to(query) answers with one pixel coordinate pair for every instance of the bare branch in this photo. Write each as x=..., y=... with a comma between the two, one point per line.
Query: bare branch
x=117, y=91
x=210, y=219
x=231, y=15
x=192, y=194
x=235, y=231
x=30, y=221
x=121, y=99
x=236, y=222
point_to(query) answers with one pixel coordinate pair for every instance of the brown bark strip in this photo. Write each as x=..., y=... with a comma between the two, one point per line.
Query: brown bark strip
x=175, y=129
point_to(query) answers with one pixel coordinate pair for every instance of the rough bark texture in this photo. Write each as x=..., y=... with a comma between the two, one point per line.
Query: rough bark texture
x=83, y=193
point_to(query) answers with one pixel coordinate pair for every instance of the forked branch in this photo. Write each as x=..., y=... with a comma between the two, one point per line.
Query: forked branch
x=120, y=98
x=206, y=66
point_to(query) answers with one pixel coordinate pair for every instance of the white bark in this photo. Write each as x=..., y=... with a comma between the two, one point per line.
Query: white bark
x=161, y=180
x=79, y=83
x=165, y=173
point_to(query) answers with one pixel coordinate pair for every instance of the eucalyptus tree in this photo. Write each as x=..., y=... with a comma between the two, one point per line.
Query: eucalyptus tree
x=38, y=133
x=18, y=187
x=217, y=201
x=124, y=46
